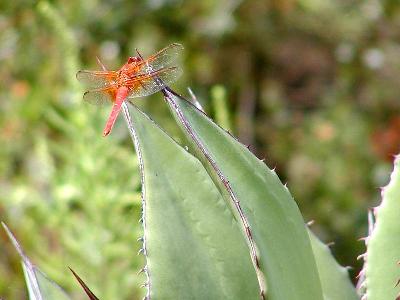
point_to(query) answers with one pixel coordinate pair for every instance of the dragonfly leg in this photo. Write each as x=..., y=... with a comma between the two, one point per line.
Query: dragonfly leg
x=138, y=54
x=101, y=64
x=140, y=57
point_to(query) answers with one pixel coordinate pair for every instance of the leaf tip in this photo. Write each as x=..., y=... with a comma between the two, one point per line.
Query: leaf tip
x=88, y=292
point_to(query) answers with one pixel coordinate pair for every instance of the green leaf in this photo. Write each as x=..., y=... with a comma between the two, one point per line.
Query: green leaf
x=335, y=281
x=39, y=286
x=193, y=246
x=382, y=269
x=268, y=216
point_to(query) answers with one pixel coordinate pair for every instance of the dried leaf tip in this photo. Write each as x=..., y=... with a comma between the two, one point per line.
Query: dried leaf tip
x=88, y=292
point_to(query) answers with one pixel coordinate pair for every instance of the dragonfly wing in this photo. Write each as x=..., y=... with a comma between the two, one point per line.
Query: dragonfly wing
x=97, y=79
x=144, y=85
x=162, y=59
x=99, y=96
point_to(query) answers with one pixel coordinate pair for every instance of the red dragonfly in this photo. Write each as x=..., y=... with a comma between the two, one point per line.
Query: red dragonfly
x=138, y=77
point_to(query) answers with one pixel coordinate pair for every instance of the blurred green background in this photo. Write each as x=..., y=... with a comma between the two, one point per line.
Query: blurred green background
x=311, y=85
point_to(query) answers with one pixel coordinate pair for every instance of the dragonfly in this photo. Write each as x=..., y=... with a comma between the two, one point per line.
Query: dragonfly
x=138, y=77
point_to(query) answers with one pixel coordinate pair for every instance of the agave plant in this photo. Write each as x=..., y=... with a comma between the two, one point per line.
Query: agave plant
x=219, y=224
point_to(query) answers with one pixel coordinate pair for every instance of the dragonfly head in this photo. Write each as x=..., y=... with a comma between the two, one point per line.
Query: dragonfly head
x=133, y=59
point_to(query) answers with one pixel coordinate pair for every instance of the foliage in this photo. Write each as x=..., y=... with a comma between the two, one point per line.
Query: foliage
x=192, y=244
x=192, y=240
x=311, y=84
x=39, y=286
x=381, y=274
x=61, y=191
x=262, y=206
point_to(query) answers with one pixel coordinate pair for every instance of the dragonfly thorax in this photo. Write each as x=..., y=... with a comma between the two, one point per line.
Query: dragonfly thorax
x=123, y=78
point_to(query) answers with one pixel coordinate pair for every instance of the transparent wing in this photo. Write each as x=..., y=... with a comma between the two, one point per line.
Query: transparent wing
x=96, y=79
x=144, y=85
x=162, y=59
x=99, y=96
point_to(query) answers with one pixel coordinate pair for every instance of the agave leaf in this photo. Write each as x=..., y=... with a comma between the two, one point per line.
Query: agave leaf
x=361, y=288
x=268, y=216
x=193, y=247
x=40, y=287
x=335, y=281
x=382, y=265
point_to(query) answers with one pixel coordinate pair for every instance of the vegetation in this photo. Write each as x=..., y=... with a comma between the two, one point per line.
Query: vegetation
x=311, y=85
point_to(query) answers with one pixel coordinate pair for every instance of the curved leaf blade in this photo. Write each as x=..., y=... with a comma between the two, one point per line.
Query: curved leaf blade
x=193, y=247
x=335, y=281
x=270, y=219
x=382, y=269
